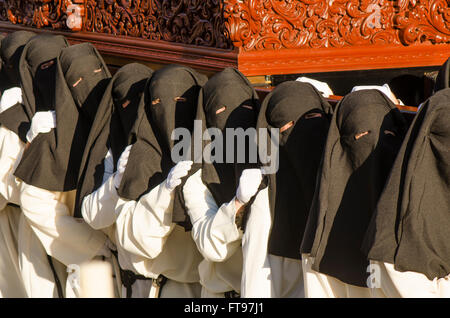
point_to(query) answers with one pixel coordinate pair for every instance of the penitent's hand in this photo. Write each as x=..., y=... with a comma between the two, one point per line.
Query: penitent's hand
x=121, y=165
x=249, y=183
x=42, y=122
x=179, y=171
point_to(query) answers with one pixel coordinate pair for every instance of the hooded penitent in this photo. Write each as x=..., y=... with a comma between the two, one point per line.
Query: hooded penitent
x=75, y=90
x=25, y=64
x=363, y=140
x=410, y=227
x=303, y=117
x=227, y=100
x=111, y=129
x=170, y=99
x=11, y=51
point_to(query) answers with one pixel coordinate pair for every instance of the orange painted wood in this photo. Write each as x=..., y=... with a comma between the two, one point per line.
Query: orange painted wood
x=297, y=61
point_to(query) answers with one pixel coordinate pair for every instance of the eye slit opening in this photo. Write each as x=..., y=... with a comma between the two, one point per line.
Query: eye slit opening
x=126, y=103
x=389, y=132
x=357, y=136
x=180, y=99
x=247, y=106
x=313, y=115
x=220, y=110
x=77, y=82
x=287, y=126
x=97, y=71
x=156, y=101
x=47, y=65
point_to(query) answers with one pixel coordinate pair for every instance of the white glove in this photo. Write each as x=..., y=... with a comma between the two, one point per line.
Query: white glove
x=42, y=122
x=320, y=86
x=180, y=170
x=106, y=249
x=248, y=184
x=121, y=165
x=10, y=97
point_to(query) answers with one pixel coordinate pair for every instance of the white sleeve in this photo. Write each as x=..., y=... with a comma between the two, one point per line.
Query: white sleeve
x=214, y=229
x=322, y=87
x=69, y=240
x=143, y=226
x=99, y=207
x=108, y=166
x=11, y=149
x=385, y=89
x=10, y=97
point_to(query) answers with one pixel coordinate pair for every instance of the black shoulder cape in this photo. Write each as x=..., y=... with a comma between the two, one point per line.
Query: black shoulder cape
x=410, y=227
x=291, y=188
x=363, y=140
x=168, y=102
x=23, y=53
x=227, y=100
x=74, y=91
x=112, y=126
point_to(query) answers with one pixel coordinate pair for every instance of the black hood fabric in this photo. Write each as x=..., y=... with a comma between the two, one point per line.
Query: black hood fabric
x=36, y=74
x=227, y=100
x=116, y=116
x=291, y=188
x=232, y=96
x=52, y=160
x=169, y=102
x=11, y=51
x=365, y=135
x=410, y=227
x=443, y=78
x=3, y=77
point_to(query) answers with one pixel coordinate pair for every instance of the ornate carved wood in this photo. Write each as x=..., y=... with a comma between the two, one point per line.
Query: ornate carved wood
x=289, y=24
x=38, y=13
x=196, y=22
x=271, y=36
x=285, y=36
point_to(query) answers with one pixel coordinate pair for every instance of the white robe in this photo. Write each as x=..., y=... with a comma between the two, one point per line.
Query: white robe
x=11, y=283
x=160, y=247
x=284, y=275
x=217, y=238
x=234, y=259
x=395, y=284
x=99, y=211
x=49, y=228
x=319, y=285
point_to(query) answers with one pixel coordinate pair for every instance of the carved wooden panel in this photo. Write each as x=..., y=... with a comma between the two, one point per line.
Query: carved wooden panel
x=259, y=37
x=278, y=24
x=37, y=13
x=196, y=22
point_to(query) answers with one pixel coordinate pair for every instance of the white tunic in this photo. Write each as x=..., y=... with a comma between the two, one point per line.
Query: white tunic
x=57, y=233
x=160, y=247
x=99, y=211
x=395, y=284
x=235, y=260
x=319, y=285
x=11, y=283
x=217, y=238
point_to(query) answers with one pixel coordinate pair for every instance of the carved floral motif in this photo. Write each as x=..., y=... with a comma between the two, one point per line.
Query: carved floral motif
x=198, y=22
x=38, y=13
x=276, y=24
x=250, y=24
